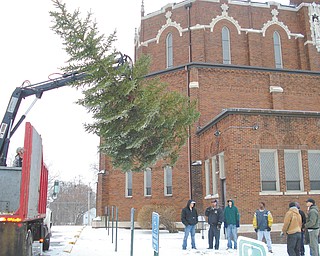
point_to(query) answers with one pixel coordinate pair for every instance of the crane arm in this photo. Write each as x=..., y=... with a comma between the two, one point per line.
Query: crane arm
x=6, y=127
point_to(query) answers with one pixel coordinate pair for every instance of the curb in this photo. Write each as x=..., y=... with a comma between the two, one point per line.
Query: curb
x=73, y=241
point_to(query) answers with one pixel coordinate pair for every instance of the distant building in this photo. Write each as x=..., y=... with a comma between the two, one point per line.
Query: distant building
x=254, y=69
x=88, y=216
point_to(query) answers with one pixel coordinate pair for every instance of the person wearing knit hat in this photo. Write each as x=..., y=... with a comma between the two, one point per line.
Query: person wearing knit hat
x=215, y=219
x=312, y=225
x=292, y=225
x=18, y=158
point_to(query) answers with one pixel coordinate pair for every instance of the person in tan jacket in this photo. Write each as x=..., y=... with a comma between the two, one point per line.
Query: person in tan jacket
x=292, y=227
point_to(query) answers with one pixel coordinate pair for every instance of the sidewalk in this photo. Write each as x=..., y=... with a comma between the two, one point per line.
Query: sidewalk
x=96, y=241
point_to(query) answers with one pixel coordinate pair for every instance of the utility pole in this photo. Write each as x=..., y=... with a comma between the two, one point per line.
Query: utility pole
x=89, y=196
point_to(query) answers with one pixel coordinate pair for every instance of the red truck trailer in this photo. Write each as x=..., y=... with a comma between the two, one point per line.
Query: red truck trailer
x=23, y=200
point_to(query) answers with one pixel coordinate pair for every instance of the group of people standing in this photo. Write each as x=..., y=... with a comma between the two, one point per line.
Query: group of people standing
x=299, y=227
x=216, y=216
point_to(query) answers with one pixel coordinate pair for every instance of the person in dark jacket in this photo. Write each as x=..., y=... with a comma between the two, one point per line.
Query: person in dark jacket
x=189, y=218
x=312, y=226
x=304, y=218
x=231, y=222
x=215, y=219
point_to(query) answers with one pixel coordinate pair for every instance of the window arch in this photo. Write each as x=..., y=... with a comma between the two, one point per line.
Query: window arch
x=226, y=55
x=169, y=51
x=277, y=50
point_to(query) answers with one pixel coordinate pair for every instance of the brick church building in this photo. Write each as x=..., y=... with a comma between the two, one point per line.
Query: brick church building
x=254, y=70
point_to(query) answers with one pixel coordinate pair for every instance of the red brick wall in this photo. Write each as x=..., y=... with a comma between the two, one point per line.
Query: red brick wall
x=241, y=151
x=240, y=85
x=250, y=48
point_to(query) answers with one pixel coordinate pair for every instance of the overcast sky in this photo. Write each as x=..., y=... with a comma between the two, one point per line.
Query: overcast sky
x=29, y=50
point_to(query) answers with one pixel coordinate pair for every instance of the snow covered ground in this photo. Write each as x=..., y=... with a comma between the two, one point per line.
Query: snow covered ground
x=87, y=241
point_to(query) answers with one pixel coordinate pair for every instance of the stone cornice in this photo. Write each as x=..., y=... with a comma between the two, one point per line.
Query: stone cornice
x=224, y=16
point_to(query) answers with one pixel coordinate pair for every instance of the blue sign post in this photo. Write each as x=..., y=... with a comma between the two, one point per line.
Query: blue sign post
x=132, y=230
x=155, y=233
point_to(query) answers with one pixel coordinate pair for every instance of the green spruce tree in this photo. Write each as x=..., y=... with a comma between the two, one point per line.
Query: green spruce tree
x=138, y=120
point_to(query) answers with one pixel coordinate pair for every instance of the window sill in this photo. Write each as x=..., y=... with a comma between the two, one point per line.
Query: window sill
x=295, y=193
x=128, y=196
x=168, y=195
x=314, y=192
x=270, y=193
x=214, y=196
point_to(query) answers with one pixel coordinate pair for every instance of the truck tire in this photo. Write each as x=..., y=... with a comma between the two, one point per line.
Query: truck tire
x=46, y=243
x=29, y=241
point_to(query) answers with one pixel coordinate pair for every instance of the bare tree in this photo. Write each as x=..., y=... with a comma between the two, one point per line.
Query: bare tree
x=72, y=202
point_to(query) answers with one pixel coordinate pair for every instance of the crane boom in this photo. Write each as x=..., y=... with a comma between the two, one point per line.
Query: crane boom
x=6, y=128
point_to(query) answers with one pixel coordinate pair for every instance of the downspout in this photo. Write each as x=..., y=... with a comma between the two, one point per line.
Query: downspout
x=188, y=6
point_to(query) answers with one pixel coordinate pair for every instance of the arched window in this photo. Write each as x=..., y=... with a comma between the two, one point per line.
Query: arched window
x=277, y=50
x=169, y=51
x=226, y=46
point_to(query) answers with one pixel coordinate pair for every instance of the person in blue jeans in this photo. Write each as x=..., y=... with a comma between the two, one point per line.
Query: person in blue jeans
x=231, y=223
x=262, y=222
x=189, y=218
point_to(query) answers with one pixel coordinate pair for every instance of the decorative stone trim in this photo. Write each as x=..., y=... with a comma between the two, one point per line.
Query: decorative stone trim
x=314, y=8
x=314, y=19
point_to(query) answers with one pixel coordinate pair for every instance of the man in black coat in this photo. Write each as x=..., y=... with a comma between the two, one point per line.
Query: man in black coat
x=304, y=219
x=215, y=219
x=189, y=218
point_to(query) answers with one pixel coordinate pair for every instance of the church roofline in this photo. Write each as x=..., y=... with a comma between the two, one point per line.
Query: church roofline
x=266, y=4
x=231, y=67
x=249, y=111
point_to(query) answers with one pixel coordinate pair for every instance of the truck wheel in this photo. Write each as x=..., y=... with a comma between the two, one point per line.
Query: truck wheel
x=29, y=241
x=46, y=243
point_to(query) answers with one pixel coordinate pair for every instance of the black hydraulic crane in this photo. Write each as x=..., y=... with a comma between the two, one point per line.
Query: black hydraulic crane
x=7, y=129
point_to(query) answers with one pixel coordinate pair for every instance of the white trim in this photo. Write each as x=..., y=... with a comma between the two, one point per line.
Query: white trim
x=295, y=193
x=270, y=193
x=222, y=170
x=194, y=84
x=169, y=23
x=207, y=175
x=273, y=88
x=214, y=175
x=314, y=192
x=224, y=16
